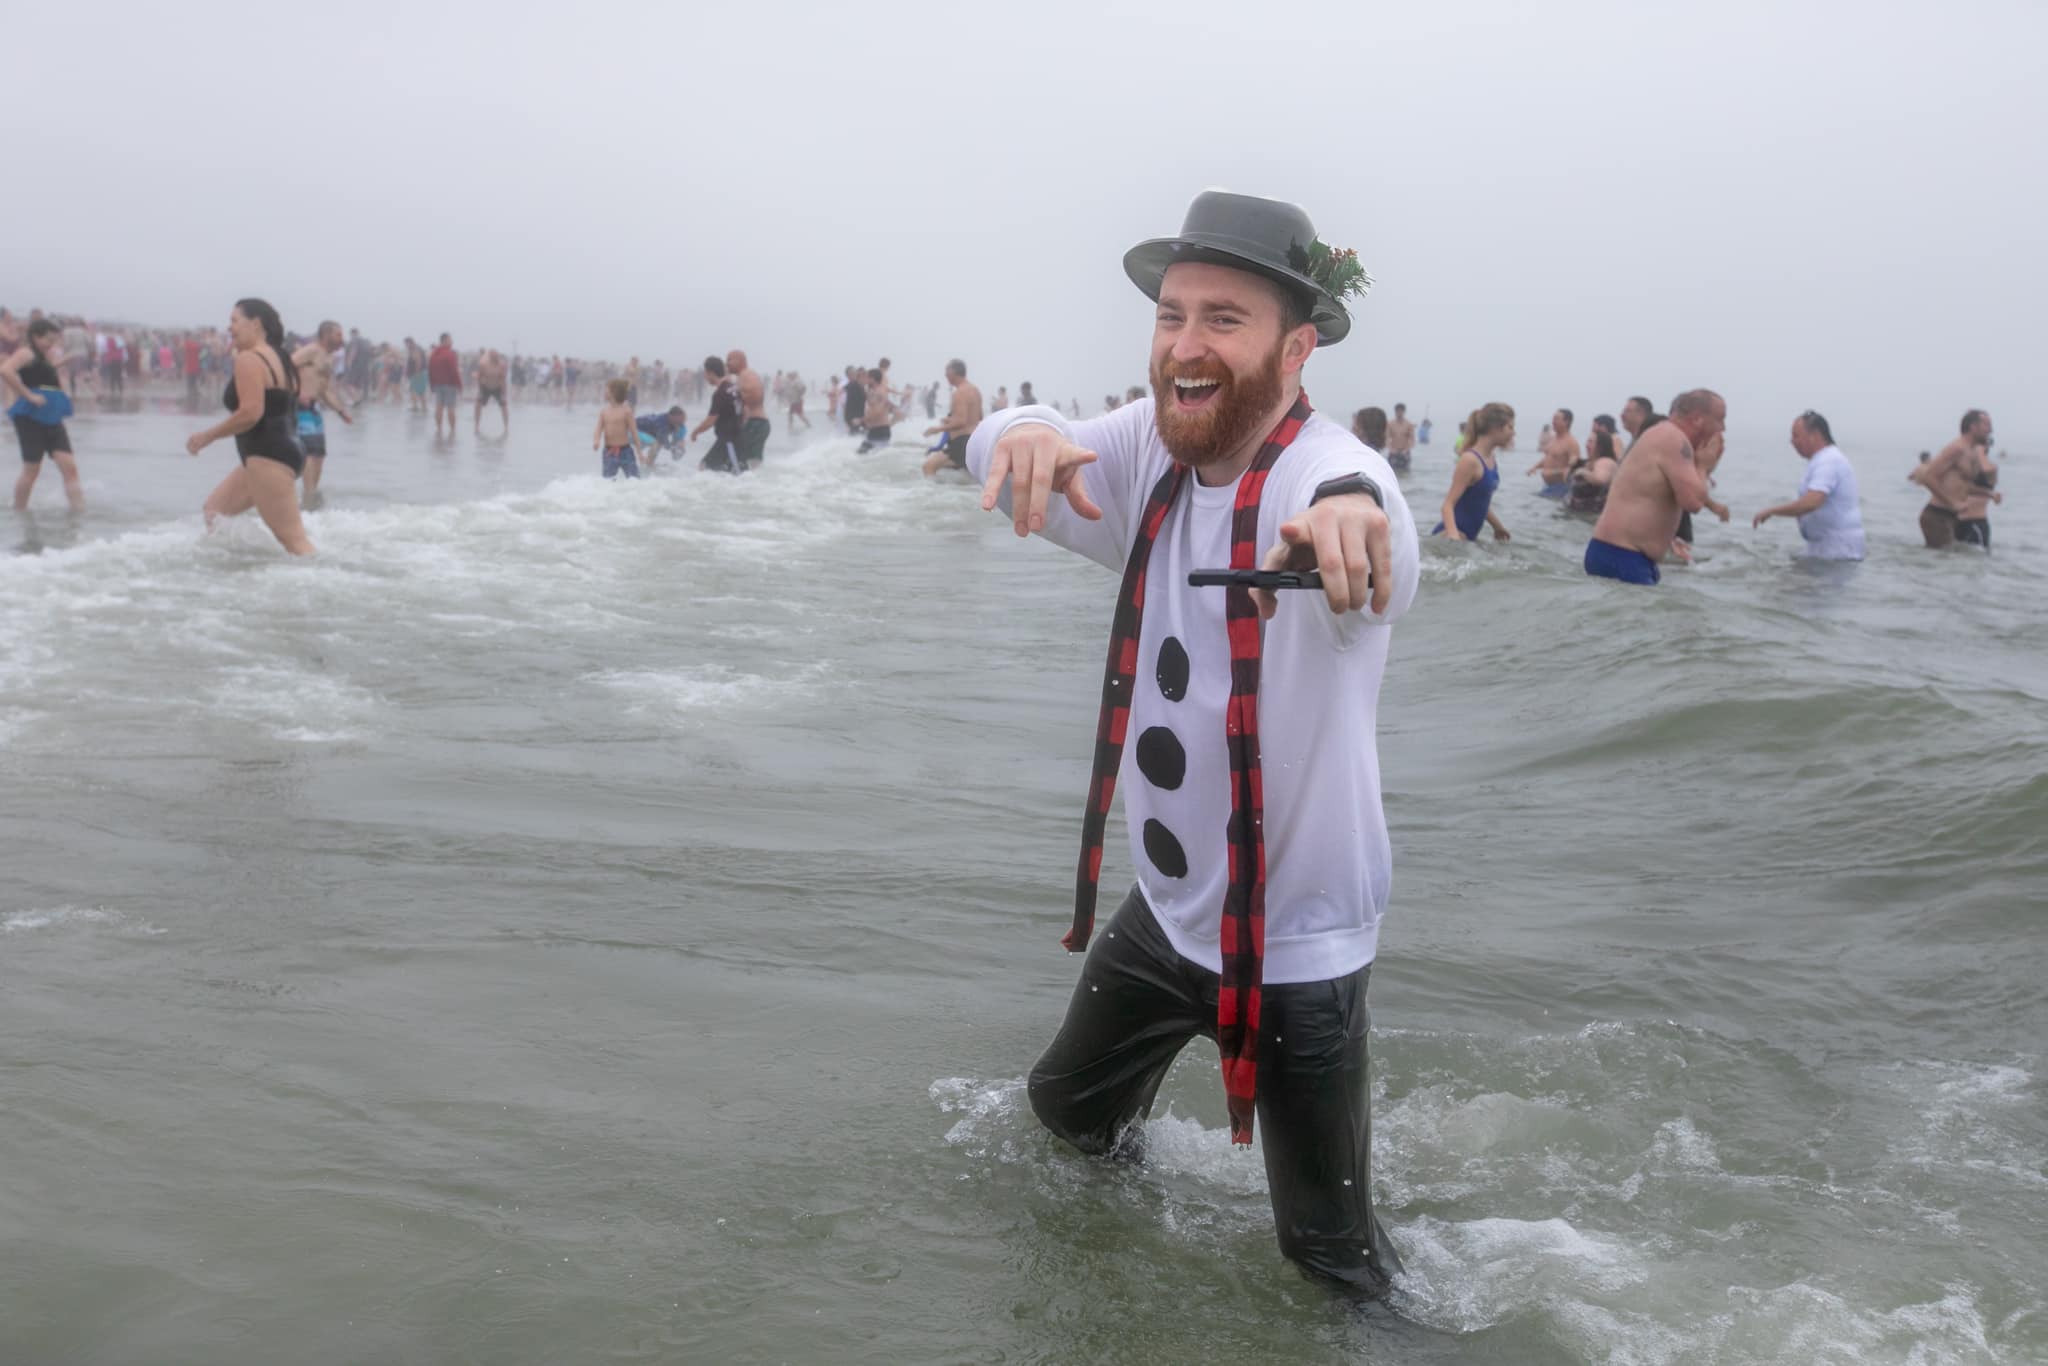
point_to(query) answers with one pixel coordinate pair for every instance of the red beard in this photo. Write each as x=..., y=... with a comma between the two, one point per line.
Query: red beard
x=1223, y=424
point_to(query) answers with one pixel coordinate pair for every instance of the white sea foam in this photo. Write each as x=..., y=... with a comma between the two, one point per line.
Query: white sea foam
x=72, y=917
x=168, y=619
x=682, y=696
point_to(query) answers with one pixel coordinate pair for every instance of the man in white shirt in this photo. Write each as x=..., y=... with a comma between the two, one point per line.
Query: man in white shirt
x=1254, y=809
x=1829, y=511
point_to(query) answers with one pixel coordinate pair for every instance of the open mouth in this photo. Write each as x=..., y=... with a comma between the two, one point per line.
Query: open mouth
x=1192, y=395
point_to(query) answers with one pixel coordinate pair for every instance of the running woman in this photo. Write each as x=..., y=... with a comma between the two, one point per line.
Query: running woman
x=262, y=401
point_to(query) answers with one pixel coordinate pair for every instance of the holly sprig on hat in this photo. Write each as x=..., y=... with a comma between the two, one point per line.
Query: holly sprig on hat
x=1336, y=270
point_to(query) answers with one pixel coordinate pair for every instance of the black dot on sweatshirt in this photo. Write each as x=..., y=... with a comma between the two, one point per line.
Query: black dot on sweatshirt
x=1161, y=758
x=1164, y=850
x=1173, y=669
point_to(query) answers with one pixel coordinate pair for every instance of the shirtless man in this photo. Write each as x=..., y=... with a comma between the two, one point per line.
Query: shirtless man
x=879, y=415
x=1400, y=440
x=1560, y=455
x=1002, y=398
x=491, y=374
x=1658, y=482
x=318, y=384
x=1974, y=526
x=959, y=423
x=1947, y=480
x=755, y=429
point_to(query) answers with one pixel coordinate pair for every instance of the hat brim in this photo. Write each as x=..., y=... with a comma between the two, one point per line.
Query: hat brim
x=1147, y=264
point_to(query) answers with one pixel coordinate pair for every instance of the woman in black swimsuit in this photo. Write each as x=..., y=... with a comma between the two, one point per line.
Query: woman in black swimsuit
x=24, y=373
x=262, y=402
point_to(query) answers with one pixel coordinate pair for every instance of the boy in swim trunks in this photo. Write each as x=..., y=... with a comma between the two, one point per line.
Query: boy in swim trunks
x=616, y=432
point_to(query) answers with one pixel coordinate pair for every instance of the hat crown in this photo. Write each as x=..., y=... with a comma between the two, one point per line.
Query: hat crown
x=1271, y=228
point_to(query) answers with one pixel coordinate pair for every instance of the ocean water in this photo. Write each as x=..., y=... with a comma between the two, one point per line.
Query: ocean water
x=572, y=921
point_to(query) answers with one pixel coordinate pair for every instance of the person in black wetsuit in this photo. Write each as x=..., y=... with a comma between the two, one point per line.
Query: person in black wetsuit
x=262, y=403
x=24, y=373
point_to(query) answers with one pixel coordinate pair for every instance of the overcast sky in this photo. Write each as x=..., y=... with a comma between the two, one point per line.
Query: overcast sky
x=1829, y=204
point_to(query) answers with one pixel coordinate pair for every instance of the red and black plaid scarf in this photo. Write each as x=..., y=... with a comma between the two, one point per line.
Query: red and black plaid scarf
x=1243, y=934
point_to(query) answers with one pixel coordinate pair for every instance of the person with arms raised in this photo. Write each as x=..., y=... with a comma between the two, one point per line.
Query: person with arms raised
x=1254, y=809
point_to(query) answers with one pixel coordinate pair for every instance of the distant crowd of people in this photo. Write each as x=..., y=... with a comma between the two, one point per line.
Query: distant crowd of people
x=1643, y=508
x=1640, y=483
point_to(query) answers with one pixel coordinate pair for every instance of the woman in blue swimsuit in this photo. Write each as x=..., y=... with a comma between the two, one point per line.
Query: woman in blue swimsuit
x=1469, y=504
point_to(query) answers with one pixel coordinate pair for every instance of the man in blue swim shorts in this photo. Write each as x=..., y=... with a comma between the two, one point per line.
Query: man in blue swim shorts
x=317, y=386
x=1659, y=481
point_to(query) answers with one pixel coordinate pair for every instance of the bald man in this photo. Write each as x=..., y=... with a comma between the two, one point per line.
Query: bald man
x=1659, y=482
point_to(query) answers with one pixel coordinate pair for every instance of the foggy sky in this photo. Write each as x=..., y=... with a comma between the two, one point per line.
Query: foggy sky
x=1837, y=205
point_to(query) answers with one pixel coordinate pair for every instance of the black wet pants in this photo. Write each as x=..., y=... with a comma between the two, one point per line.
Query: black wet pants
x=1139, y=1002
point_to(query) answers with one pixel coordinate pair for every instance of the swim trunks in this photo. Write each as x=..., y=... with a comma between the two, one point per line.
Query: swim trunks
x=956, y=450
x=724, y=457
x=1605, y=560
x=876, y=438
x=1938, y=526
x=445, y=395
x=312, y=432
x=419, y=383
x=486, y=394
x=753, y=442
x=1554, y=490
x=1973, y=531
x=40, y=439
x=1399, y=461
x=620, y=460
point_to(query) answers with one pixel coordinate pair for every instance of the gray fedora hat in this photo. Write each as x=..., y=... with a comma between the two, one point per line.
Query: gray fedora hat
x=1268, y=237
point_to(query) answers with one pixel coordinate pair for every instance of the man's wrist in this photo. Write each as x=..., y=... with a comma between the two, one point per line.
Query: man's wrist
x=1350, y=483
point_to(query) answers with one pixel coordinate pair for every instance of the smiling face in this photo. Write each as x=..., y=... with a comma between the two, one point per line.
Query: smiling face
x=1221, y=355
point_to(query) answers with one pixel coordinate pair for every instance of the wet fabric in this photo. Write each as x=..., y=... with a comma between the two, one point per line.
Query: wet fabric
x=273, y=436
x=1605, y=560
x=1469, y=512
x=1138, y=1003
x=39, y=439
x=1243, y=930
x=753, y=440
x=620, y=460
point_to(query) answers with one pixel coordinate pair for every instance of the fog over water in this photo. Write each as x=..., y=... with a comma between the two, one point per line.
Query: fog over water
x=1822, y=204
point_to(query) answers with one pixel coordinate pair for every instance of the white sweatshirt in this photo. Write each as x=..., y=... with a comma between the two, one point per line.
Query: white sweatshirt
x=1328, y=863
